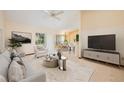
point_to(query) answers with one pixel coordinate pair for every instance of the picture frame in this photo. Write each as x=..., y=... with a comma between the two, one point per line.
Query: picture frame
x=22, y=37
x=39, y=38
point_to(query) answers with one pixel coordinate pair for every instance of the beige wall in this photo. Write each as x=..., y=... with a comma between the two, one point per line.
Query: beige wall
x=1, y=20
x=94, y=20
x=2, y=30
x=49, y=33
x=103, y=22
x=37, y=21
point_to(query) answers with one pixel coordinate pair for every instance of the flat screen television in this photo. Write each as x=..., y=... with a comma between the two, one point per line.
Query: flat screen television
x=104, y=42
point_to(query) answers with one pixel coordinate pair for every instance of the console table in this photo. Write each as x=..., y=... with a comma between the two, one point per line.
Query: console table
x=102, y=55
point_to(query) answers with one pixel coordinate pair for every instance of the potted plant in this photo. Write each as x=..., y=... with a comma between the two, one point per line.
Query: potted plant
x=14, y=44
x=66, y=42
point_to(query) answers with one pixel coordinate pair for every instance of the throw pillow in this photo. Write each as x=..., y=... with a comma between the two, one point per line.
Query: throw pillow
x=2, y=79
x=7, y=54
x=13, y=54
x=17, y=58
x=16, y=71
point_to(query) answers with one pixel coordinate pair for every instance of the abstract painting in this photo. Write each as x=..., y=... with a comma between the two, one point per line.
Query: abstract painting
x=22, y=37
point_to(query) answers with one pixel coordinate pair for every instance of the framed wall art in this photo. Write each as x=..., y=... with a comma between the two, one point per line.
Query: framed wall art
x=22, y=37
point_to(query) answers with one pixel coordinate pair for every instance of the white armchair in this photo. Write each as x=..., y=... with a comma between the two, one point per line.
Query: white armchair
x=40, y=51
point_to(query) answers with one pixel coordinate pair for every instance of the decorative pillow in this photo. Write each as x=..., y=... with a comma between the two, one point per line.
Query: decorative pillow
x=4, y=63
x=7, y=54
x=16, y=71
x=13, y=54
x=18, y=58
x=2, y=79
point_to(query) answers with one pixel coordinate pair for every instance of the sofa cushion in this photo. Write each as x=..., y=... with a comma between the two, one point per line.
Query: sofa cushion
x=16, y=71
x=18, y=58
x=6, y=54
x=4, y=63
x=2, y=78
x=29, y=69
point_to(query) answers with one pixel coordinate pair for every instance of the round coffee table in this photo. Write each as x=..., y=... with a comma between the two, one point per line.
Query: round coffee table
x=50, y=63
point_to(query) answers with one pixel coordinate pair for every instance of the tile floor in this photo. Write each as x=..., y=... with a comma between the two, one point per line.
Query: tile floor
x=103, y=72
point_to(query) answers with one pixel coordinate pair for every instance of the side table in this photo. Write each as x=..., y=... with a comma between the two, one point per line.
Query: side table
x=62, y=63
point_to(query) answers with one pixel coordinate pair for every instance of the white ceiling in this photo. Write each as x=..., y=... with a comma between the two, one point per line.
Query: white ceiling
x=38, y=18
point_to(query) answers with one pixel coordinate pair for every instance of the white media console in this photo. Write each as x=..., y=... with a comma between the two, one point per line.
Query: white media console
x=100, y=55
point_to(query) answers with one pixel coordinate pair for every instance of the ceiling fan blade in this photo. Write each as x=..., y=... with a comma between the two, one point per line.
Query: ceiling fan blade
x=54, y=14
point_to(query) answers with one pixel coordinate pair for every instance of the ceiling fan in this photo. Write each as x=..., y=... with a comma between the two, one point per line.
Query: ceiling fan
x=54, y=13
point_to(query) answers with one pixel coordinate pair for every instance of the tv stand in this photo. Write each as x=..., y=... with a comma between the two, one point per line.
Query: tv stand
x=102, y=55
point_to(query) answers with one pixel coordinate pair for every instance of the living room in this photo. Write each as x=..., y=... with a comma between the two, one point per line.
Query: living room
x=34, y=24
x=88, y=23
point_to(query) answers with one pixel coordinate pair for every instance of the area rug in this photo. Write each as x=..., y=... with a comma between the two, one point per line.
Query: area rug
x=75, y=72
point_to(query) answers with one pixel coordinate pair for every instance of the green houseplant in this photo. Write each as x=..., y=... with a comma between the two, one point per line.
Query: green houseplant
x=66, y=42
x=14, y=43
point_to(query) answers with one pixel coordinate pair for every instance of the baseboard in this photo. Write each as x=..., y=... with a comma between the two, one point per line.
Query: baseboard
x=30, y=54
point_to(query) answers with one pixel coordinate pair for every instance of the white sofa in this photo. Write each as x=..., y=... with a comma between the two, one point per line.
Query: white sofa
x=31, y=76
